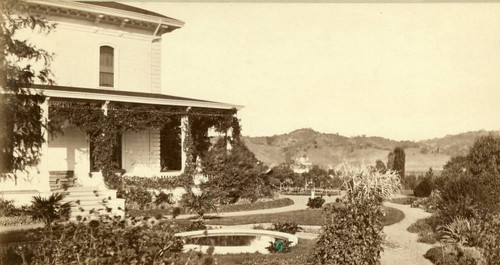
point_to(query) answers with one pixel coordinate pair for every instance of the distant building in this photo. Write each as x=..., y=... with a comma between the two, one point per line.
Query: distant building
x=302, y=165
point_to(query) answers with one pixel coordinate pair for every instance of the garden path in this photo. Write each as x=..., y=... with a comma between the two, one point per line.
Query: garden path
x=408, y=251
x=299, y=203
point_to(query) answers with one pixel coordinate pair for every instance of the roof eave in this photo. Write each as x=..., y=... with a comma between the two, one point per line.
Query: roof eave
x=83, y=7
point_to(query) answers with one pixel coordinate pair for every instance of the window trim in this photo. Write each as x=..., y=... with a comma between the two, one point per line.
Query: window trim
x=116, y=65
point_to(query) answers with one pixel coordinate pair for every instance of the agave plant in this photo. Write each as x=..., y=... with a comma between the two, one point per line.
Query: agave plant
x=50, y=209
x=458, y=231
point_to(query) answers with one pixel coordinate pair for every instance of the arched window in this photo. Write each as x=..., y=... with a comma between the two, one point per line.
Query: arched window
x=106, y=71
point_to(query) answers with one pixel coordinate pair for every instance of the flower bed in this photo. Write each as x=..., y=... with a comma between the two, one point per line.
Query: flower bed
x=259, y=205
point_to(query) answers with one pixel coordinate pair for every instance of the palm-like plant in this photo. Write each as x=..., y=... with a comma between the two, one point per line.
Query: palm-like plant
x=199, y=203
x=50, y=209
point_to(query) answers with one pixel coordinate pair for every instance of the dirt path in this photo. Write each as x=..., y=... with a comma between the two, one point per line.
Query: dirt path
x=407, y=250
x=299, y=203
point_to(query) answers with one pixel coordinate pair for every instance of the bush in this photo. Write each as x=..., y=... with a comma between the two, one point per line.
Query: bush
x=235, y=174
x=103, y=241
x=426, y=229
x=50, y=209
x=352, y=236
x=7, y=208
x=455, y=255
x=424, y=188
x=315, y=203
x=136, y=197
x=459, y=231
x=429, y=204
x=353, y=232
x=290, y=228
x=199, y=203
x=195, y=226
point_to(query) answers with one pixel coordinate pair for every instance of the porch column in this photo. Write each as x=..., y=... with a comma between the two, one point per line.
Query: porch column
x=228, y=138
x=43, y=165
x=184, y=127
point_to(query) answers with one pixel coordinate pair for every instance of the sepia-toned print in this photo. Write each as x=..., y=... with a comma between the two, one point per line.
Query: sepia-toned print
x=249, y=133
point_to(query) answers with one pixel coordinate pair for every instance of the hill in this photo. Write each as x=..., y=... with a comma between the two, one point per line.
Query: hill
x=327, y=150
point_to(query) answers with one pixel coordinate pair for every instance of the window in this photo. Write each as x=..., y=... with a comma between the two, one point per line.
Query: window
x=106, y=72
x=170, y=146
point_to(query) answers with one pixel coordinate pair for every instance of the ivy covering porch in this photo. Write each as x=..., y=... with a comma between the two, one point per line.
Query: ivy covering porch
x=95, y=138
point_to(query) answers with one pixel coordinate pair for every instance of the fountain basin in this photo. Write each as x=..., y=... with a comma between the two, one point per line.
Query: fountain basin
x=232, y=240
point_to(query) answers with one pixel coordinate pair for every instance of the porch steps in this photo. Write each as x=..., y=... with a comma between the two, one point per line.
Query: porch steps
x=58, y=179
x=86, y=200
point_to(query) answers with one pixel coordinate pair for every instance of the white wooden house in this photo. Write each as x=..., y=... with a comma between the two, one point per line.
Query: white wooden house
x=105, y=53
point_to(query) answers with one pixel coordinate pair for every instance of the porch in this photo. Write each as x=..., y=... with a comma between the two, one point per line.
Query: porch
x=104, y=133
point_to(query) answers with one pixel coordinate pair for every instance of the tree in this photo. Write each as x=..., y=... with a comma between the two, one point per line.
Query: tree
x=484, y=155
x=379, y=165
x=470, y=185
x=283, y=172
x=20, y=131
x=396, y=161
x=317, y=175
x=235, y=174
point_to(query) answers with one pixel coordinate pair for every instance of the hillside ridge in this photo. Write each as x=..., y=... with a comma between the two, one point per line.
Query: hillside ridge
x=328, y=149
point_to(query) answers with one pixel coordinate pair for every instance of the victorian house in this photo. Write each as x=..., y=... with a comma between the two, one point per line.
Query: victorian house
x=107, y=57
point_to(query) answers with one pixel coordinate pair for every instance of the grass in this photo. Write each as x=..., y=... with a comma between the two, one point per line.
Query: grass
x=256, y=205
x=17, y=220
x=299, y=255
x=301, y=217
x=426, y=229
x=238, y=207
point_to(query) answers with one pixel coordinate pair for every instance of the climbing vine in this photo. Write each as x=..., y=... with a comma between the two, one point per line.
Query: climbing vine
x=105, y=126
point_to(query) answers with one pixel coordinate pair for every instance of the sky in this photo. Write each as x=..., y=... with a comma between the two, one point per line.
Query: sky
x=408, y=71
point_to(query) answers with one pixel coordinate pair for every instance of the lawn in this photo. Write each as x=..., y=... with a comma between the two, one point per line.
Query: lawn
x=237, y=207
x=301, y=217
x=299, y=255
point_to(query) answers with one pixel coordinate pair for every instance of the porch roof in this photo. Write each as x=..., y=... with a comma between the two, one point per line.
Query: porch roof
x=129, y=96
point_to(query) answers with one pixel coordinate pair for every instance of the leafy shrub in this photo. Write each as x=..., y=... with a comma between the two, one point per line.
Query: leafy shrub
x=7, y=208
x=176, y=211
x=199, y=203
x=163, y=198
x=315, y=203
x=235, y=174
x=429, y=204
x=455, y=255
x=104, y=241
x=424, y=188
x=279, y=246
x=137, y=197
x=290, y=228
x=195, y=226
x=50, y=209
x=426, y=229
x=352, y=236
x=353, y=232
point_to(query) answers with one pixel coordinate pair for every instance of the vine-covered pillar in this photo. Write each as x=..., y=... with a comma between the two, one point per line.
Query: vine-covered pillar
x=184, y=128
x=43, y=163
x=228, y=133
